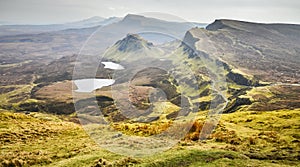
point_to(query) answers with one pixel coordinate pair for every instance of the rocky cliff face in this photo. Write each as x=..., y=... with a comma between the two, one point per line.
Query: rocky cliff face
x=216, y=25
x=188, y=44
x=189, y=39
x=268, y=51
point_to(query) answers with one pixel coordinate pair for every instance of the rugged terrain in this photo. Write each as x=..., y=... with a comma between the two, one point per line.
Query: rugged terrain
x=245, y=74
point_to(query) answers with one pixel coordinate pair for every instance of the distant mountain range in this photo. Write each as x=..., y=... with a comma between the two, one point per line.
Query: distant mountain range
x=55, y=44
x=7, y=28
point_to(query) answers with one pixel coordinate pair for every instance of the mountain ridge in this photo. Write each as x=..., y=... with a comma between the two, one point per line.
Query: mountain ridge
x=231, y=22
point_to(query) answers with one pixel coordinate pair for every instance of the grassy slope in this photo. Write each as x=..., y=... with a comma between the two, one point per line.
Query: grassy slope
x=42, y=139
x=21, y=93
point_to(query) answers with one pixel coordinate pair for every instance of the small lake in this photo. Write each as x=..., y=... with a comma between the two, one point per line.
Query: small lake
x=112, y=65
x=89, y=85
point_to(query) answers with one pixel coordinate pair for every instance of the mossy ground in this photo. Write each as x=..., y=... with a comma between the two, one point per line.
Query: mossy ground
x=241, y=139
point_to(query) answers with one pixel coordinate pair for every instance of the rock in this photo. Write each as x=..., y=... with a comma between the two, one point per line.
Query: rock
x=235, y=104
x=216, y=25
x=117, y=135
x=238, y=79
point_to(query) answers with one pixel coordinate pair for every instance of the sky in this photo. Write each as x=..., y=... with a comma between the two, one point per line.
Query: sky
x=61, y=11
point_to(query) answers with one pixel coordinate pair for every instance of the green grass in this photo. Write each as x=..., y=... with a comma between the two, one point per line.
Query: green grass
x=13, y=98
x=30, y=139
x=266, y=135
x=195, y=157
x=241, y=139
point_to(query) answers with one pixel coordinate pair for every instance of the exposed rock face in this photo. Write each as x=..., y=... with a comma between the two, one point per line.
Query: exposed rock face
x=188, y=45
x=190, y=40
x=205, y=105
x=235, y=104
x=216, y=25
x=238, y=79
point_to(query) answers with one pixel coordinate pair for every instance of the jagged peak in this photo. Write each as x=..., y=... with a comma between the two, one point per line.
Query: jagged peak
x=132, y=42
x=133, y=36
x=189, y=42
x=189, y=37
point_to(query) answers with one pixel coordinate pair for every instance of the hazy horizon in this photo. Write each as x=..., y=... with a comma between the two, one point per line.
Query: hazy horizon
x=62, y=11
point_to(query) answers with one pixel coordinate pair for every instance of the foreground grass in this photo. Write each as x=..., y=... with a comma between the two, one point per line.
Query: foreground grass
x=242, y=139
x=40, y=139
x=266, y=135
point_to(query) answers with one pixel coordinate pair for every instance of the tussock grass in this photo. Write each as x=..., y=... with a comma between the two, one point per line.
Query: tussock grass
x=266, y=135
x=27, y=140
x=240, y=139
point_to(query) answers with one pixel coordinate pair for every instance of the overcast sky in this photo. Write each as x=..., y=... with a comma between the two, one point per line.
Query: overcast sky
x=59, y=11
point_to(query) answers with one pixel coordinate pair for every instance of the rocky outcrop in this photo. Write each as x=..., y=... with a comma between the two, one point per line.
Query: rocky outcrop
x=236, y=103
x=54, y=107
x=238, y=79
x=188, y=44
x=216, y=25
x=205, y=105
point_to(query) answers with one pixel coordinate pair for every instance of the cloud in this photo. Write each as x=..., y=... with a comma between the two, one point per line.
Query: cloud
x=111, y=8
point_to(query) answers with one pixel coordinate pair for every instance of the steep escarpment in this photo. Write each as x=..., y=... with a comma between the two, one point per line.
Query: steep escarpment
x=216, y=25
x=268, y=51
